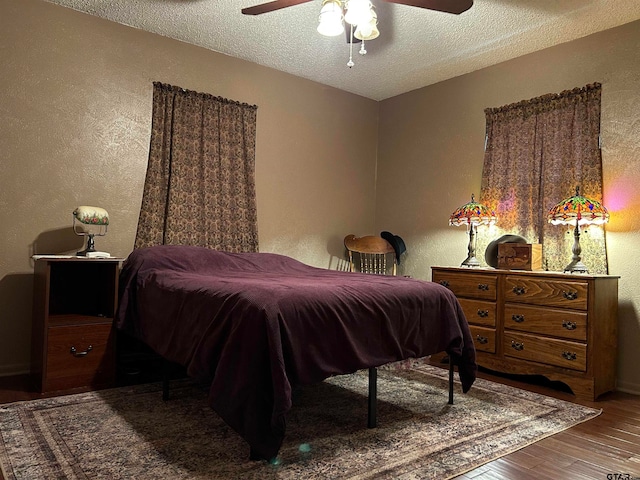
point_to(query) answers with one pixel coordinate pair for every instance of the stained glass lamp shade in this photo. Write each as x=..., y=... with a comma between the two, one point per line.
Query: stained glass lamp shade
x=472, y=214
x=578, y=210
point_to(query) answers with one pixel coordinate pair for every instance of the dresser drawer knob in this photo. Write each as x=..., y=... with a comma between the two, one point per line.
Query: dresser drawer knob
x=482, y=340
x=518, y=290
x=570, y=295
x=569, y=355
x=484, y=287
x=483, y=313
x=75, y=353
x=444, y=283
x=517, y=345
x=569, y=325
x=518, y=318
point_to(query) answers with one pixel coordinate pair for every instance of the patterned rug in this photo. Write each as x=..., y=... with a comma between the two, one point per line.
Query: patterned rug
x=130, y=432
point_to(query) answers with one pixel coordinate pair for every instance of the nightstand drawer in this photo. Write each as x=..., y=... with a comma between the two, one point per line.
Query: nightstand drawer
x=550, y=351
x=550, y=293
x=482, y=287
x=484, y=338
x=479, y=312
x=79, y=356
x=547, y=321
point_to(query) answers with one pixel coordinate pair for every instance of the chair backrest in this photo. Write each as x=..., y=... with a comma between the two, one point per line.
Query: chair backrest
x=370, y=254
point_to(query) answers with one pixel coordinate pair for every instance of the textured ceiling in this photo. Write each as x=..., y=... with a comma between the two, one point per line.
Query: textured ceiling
x=416, y=47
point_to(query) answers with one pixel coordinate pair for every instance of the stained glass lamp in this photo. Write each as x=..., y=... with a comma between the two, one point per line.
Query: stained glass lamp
x=472, y=214
x=578, y=210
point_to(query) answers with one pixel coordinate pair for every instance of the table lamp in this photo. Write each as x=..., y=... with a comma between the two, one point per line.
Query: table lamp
x=578, y=210
x=472, y=214
x=94, y=222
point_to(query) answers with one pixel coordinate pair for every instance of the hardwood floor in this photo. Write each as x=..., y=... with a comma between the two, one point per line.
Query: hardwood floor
x=605, y=448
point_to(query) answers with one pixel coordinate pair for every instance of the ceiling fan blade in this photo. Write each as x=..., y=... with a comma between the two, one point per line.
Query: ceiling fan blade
x=271, y=6
x=448, y=6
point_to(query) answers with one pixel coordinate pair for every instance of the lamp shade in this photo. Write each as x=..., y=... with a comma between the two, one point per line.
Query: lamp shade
x=472, y=213
x=368, y=31
x=358, y=12
x=91, y=215
x=330, y=21
x=578, y=210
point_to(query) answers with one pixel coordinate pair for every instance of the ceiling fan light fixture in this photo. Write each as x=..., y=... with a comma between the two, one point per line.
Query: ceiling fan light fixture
x=358, y=12
x=368, y=31
x=330, y=20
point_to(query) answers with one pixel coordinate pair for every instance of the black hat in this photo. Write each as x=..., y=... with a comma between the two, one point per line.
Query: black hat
x=396, y=242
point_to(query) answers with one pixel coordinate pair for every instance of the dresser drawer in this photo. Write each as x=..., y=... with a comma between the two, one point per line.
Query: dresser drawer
x=78, y=356
x=550, y=351
x=551, y=293
x=482, y=287
x=484, y=338
x=479, y=312
x=547, y=321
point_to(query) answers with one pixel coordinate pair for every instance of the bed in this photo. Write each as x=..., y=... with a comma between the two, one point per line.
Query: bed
x=254, y=325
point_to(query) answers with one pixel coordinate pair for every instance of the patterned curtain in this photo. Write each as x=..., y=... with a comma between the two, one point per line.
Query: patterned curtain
x=200, y=182
x=537, y=152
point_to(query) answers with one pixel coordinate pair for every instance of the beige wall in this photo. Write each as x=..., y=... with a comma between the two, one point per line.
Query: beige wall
x=431, y=154
x=75, y=113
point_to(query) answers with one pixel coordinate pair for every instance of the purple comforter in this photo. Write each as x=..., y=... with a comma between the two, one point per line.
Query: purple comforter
x=255, y=324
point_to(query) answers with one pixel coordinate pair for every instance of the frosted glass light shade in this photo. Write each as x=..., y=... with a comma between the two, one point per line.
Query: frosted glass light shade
x=330, y=21
x=358, y=12
x=368, y=31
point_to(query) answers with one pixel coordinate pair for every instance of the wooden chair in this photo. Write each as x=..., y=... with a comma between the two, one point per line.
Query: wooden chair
x=370, y=254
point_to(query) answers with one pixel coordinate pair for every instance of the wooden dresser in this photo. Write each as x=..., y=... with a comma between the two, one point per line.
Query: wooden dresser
x=561, y=326
x=73, y=341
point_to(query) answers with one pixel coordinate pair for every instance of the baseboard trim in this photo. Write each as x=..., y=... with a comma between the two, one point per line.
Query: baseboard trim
x=11, y=370
x=625, y=387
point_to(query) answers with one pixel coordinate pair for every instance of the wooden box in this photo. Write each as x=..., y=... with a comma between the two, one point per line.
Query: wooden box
x=520, y=256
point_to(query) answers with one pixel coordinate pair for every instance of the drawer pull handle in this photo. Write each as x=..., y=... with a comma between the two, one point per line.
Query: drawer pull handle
x=483, y=313
x=570, y=295
x=569, y=355
x=75, y=353
x=444, y=283
x=518, y=290
x=517, y=345
x=484, y=287
x=518, y=318
x=569, y=325
x=482, y=340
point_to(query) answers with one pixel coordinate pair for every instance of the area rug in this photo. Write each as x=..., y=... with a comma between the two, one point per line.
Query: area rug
x=130, y=433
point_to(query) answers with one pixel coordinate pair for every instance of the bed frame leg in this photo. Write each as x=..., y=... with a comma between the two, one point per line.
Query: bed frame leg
x=372, y=420
x=166, y=378
x=450, y=381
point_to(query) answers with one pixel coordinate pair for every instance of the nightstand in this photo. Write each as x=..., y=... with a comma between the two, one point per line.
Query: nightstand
x=73, y=338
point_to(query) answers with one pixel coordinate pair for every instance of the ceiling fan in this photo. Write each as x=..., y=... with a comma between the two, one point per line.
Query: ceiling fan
x=358, y=14
x=449, y=6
